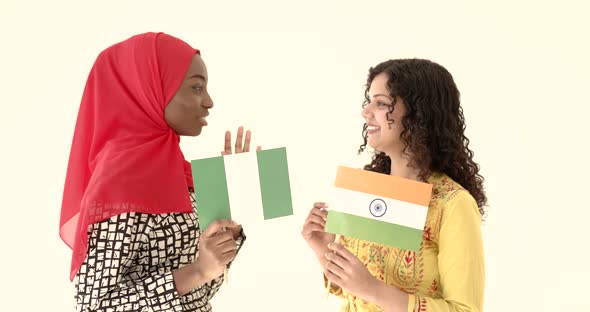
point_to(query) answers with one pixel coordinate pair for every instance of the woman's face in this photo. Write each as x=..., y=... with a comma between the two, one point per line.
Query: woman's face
x=187, y=110
x=383, y=135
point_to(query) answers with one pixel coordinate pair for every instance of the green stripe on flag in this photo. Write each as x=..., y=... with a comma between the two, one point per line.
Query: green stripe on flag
x=376, y=231
x=275, y=188
x=210, y=190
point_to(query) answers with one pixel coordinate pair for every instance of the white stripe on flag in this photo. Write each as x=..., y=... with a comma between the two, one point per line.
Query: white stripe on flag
x=243, y=187
x=358, y=204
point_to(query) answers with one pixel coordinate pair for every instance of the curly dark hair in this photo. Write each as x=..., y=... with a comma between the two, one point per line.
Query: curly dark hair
x=433, y=127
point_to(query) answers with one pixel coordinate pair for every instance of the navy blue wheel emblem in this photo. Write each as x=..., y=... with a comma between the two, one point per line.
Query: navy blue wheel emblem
x=378, y=207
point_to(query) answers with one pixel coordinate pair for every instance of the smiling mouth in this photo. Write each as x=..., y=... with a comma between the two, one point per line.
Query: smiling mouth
x=373, y=129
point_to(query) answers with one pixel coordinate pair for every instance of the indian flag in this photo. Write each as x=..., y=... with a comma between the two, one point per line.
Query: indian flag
x=245, y=187
x=379, y=208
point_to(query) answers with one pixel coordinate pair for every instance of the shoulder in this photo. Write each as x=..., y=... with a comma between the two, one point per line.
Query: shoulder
x=445, y=191
x=451, y=203
x=460, y=211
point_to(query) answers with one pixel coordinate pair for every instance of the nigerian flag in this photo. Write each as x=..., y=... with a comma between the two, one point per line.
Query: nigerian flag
x=245, y=187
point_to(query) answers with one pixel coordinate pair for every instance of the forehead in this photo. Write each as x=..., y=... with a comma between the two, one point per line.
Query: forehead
x=197, y=68
x=379, y=84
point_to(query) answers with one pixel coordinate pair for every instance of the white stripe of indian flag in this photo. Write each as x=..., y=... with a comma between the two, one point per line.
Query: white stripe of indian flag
x=246, y=187
x=380, y=208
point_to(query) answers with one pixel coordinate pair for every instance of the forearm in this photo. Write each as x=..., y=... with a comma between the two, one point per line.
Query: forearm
x=156, y=292
x=188, y=278
x=320, y=254
x=389, y=298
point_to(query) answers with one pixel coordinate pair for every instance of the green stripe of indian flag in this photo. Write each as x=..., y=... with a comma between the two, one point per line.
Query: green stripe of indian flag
x=245, y=187
x=374, y=230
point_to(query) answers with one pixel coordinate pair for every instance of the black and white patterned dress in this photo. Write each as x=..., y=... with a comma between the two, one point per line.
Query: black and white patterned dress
x=130, y=261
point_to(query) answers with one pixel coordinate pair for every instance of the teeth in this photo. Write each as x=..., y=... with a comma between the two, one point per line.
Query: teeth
x=373, y=128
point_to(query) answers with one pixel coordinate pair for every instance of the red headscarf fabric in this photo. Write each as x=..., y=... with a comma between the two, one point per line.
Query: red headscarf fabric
x=124, y=156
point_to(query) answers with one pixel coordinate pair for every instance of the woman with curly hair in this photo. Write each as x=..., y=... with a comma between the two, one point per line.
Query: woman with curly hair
x=415, y=123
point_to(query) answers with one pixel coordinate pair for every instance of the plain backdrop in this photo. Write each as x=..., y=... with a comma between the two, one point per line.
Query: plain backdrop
x=293, y=73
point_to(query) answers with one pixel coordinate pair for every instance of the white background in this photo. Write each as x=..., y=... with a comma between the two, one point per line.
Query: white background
x=294, y=74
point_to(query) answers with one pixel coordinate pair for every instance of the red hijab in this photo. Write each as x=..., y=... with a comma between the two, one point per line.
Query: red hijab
x=124, y=156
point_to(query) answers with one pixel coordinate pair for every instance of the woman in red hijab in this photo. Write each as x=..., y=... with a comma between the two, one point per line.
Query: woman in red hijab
x=128, y=210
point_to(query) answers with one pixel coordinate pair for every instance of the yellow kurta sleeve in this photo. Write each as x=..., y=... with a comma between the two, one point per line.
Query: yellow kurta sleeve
x=460, y=260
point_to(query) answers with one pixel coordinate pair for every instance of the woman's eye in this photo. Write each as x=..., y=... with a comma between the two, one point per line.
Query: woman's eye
x=198, y=88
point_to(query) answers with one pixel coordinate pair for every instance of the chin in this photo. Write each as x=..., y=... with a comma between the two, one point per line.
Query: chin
x=372, y=144
x=192, y=132
x=196, y=132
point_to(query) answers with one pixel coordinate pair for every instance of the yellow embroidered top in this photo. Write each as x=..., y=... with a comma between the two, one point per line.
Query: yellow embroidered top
x=447, y=274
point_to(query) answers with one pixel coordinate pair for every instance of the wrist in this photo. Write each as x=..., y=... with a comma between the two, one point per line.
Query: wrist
x=188, y=278
x=320, y=253
x=374, y=290
x=198, y=273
